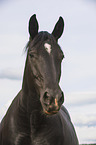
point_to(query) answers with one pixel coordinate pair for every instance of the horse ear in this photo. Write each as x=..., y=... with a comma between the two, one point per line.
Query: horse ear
x=58, y=29
x=33, y=26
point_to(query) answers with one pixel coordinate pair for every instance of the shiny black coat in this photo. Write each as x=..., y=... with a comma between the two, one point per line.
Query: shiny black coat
x=36, y=115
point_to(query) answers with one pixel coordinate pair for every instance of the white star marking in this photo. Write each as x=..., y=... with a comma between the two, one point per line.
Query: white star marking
x=48, y=47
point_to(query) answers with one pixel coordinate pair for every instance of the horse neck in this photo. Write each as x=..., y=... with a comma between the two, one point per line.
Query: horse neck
x=30, y=95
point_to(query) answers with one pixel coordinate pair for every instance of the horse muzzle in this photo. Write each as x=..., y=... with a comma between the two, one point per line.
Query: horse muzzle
x=51, y=105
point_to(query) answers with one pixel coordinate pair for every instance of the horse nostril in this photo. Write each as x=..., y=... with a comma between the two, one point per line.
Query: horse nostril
x=50, y=102
x=45, y=95
x=46, y=98
x=61, y=100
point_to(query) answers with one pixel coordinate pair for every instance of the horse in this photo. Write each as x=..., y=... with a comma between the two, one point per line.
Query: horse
x=37, y=116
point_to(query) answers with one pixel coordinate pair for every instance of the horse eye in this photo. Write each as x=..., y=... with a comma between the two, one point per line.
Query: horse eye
x=61, y=56
x=31, y=55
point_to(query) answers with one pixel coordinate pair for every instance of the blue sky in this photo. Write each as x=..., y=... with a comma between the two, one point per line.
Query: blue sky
x=78, y=43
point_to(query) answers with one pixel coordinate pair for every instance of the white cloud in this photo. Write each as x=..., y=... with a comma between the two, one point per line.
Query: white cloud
x=83, y=119
x=80, y=98
x=86, y=134
x=8, y=90
x=14, y=74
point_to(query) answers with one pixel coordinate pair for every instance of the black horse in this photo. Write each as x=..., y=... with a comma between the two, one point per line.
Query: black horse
x=36, y=115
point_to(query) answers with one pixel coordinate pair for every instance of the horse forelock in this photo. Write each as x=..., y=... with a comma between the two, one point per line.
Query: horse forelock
x=39, y=39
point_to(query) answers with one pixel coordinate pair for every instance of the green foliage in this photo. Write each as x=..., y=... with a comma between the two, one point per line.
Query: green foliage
x=88, y=144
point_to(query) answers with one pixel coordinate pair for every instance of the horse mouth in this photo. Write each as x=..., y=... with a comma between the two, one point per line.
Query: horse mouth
x=50, y=113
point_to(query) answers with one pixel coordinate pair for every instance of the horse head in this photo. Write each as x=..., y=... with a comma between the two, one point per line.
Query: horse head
x=44, y=58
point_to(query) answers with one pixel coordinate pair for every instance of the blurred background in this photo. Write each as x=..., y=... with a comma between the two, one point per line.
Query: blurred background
x=78, y=42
